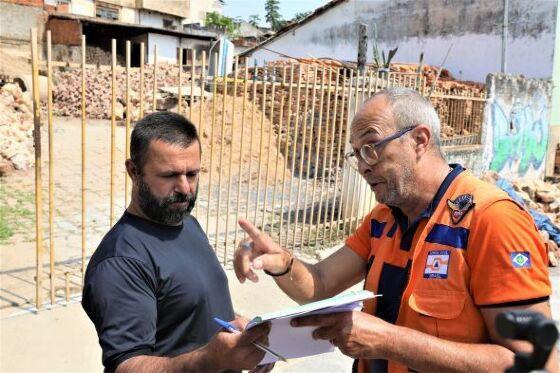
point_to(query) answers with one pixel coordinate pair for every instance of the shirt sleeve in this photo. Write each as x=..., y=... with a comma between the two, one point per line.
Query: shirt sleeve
x=120, y=298
x=507, y=257
x=360, y=241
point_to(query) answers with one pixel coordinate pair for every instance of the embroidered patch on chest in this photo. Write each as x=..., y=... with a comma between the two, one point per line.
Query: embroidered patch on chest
x=520, y=260
x=437, y=264
x=460, y=206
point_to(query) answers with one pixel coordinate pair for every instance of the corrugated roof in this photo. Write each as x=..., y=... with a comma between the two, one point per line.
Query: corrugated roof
x=316, y=13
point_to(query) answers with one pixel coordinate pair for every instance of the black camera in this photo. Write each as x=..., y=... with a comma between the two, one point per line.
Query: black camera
x=534, y=327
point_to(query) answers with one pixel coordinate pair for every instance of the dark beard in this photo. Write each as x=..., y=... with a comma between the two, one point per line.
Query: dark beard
x=161, y=210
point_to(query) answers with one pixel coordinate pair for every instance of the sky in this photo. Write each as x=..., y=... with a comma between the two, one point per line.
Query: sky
x=288, y=8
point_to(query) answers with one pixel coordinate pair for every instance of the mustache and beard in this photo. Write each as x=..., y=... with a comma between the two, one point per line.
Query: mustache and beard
x=162, y=210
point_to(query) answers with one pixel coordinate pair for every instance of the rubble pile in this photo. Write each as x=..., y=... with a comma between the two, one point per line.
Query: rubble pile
x=67, y=90
x=542, y=197
x=16, y=129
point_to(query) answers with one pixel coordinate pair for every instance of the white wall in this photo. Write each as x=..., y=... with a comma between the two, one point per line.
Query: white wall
x=476, y=37
x=167, y=48
x=150, y=19
x=129, y=15
x=83, y=8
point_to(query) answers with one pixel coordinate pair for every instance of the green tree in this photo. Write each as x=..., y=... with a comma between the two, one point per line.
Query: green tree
x=227, y=24
x=273, y=16
x=299, y=16
x=254, y=19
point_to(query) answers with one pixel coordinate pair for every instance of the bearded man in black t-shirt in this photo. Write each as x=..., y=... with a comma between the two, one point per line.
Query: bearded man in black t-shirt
x=154, y=284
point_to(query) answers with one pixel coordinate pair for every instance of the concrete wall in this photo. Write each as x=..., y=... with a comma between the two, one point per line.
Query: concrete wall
x=555, y=112
x=129, y=15
x=469, y=156
x=17, y=20
x=167, y=48
x=516, y=126
x=473, y=28
x=83, y=7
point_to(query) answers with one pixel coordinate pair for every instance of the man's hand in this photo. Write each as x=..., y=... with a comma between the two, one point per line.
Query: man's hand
x=356, y=334
x=258, y=252
x=236, y=351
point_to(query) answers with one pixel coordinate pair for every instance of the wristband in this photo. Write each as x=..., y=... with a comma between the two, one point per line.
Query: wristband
x=288, y=269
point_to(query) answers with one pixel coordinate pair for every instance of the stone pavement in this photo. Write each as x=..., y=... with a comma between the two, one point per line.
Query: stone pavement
x=63, y=339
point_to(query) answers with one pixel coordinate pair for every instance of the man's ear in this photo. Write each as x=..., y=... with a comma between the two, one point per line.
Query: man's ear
x=422, y=136
x=131, y=169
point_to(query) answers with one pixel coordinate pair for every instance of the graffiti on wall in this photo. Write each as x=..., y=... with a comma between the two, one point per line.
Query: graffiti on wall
x=520, y=136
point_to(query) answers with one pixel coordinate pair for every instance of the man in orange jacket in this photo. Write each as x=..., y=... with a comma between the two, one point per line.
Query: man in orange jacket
x=447, y=251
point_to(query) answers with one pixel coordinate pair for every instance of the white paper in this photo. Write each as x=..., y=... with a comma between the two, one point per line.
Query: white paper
x=294, y=342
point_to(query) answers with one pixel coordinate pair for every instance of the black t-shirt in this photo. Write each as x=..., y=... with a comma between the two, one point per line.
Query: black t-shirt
x=152, y=289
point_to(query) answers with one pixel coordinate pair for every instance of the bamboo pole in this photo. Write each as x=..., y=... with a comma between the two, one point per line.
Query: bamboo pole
x=270, y=131
x=215, y=87
x=113, y=126
x=280, y=120
x=83, y=157
x=51, y=167
x=308, y=158
x=180, y=85
x=253, y=114
x=289, y=116
x=242, y=142
x=330, y=160
x=296, y=134
x=350, y=173
x=38, y=182
x=220, y=165
x=142, y=57
x=155, y=79
x=259, y=165
x=302, y=153
x=316, y=164
x=230, y=165
x=202, y=94
x=127, y=121
x=324, y=163
x=338, y=164
x=193, y=69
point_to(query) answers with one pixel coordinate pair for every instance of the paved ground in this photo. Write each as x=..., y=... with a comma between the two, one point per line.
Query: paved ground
x=64, y=340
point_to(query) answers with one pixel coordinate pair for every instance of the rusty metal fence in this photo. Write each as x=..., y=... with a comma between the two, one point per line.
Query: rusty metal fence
x=273, y=139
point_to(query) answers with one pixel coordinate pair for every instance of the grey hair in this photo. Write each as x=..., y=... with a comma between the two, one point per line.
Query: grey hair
x=410, y=109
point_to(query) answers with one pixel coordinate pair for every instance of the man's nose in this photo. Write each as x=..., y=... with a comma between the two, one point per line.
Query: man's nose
x=182, y=185
x=363, y=167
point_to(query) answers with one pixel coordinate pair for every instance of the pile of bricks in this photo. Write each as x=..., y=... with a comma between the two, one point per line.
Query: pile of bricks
x=16, y=129
x=67, y=90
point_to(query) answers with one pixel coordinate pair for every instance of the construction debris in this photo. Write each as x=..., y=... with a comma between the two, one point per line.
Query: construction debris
x=16, y=129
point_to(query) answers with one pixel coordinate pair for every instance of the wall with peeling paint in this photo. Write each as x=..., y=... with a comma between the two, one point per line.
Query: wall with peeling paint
x=473, y=29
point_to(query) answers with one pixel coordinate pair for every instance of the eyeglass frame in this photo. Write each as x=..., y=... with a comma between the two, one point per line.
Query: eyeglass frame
x=359, y=156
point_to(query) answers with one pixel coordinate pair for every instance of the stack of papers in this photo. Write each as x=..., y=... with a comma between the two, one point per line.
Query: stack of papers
x=295, y=342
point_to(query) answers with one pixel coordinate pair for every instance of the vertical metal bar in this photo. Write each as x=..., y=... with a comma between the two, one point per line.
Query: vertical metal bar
x=302, y=153
x=155, y=80
x=242, y=142
x=296, y=134
x=193, y=66
x=67, y=286
x=286, y=151
x=259, y=165
x=251, y=133
x=318, y=142
x=180, y=85
x=113, y=126
x=83, y=156
x=230, y=166
x=215, y=90
x=270, y=131
x=38, y=182
x=127, y=122
x=308, y=158
x=331, y=149
x=221, y=162
x=201, y=117
x=141, y=113
x=338, y=165
x=51, y=166
x=280, y=120
x=324, y=163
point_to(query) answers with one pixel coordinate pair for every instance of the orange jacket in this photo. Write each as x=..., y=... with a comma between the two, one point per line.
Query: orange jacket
x=474, y=248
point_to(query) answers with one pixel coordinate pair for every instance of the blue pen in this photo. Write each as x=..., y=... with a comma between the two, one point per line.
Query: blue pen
x=232, y=329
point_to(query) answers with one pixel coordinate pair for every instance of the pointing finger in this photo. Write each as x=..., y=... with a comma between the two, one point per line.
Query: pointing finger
x=251, y=230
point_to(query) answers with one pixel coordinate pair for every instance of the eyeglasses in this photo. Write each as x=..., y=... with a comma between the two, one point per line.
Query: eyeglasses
x=367, y=152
